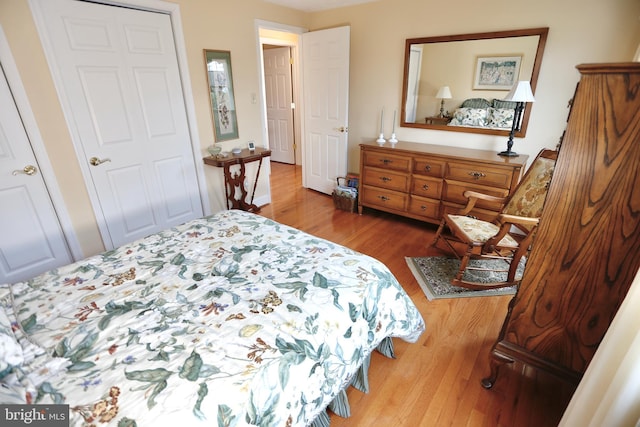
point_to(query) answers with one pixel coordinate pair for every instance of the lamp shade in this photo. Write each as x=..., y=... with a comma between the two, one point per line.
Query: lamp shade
x=444, y=93
x=520, y=92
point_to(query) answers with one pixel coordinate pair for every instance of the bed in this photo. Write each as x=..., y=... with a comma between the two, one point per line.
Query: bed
x=228, y=320
x=483, y=113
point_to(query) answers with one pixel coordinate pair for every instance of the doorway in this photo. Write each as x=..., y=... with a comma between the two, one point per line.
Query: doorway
x=285, y=39
x=279, y=102
x=321, y=113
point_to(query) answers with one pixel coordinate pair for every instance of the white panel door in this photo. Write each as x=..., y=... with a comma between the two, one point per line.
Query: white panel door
x=279, y=98
x=118, y=78
x=326, y=102
x=32, y=241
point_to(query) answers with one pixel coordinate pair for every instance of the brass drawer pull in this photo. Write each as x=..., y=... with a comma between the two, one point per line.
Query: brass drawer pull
x=385, y=179
x=423, y=208
x=383, y=198
x=427, y=168
x=477, y=175
x=425, y=187
x=386, y=161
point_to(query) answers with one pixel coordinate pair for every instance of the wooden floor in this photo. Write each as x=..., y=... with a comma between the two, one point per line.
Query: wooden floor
x=435, y=381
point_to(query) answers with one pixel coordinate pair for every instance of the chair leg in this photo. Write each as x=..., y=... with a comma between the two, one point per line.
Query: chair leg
x=438, y=233
x=522, y=250
x=464, y=261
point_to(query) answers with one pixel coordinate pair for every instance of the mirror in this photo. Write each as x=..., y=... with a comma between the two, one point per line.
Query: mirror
x=477, y=69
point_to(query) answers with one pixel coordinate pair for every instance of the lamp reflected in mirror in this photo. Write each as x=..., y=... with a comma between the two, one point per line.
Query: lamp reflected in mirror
x=520, y=94
x=443, y=93
x=456, y=61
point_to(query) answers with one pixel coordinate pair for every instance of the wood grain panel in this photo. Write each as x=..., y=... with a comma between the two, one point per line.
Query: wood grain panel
x=587, y=250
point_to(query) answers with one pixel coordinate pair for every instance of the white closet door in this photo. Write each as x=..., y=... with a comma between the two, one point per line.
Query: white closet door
x=32, y=240
x=117, y=76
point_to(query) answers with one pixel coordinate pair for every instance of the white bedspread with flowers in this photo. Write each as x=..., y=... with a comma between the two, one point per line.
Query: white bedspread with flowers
x=228, y=320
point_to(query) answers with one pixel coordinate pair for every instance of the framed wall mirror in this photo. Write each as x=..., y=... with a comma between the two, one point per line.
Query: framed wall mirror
x=458, y=82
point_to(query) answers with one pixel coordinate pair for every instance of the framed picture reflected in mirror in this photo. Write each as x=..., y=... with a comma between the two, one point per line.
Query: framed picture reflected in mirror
x=497, y=72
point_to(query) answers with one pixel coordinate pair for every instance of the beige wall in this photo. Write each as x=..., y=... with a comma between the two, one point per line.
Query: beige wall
x=580, y=31
x=207, y=24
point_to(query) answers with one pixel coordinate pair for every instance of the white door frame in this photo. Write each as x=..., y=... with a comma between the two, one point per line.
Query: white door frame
x=296, y=77
x=173, y=10
x=37, y=144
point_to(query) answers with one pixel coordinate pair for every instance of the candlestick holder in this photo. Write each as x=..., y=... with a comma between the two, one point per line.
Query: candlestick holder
x=393, y=138
x=381, y=139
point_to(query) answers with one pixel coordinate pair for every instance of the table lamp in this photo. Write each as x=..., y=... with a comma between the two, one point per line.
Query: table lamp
x=443, y=93
x=520, y=93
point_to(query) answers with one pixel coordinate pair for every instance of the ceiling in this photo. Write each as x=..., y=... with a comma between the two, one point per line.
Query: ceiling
x=316, y=5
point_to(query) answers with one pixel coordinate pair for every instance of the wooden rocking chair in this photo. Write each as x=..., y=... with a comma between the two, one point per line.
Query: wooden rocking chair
x=507, y=237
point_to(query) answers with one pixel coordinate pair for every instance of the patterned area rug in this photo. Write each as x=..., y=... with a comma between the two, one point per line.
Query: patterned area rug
x=434, y=276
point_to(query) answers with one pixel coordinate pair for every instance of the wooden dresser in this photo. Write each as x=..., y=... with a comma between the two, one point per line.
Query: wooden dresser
x=423, y=181
x=587, y=248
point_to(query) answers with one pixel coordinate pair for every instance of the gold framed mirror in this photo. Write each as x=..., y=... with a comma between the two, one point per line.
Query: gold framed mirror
x=459, y=63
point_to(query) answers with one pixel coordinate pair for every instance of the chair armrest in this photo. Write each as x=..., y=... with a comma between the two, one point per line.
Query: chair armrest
x=469, y=194
x=518, y=220
x=474, y=196
x=506, y=221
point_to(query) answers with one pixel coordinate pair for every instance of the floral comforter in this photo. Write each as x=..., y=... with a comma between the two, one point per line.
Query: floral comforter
x=228, y=320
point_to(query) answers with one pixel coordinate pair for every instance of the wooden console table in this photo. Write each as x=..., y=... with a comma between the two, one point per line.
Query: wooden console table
x=236, y=180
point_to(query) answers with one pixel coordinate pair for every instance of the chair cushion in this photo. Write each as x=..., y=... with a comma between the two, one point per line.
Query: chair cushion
x=530, y=195
x=477, y=230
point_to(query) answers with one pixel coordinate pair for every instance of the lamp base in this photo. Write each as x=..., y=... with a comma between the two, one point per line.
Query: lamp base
x=508, y=153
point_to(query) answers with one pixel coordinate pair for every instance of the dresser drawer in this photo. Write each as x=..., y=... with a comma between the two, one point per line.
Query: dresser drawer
x=428, y=166
x=416, y=180
x=427, y=208
x=454, y=192
x=389, y=179
x=387, y=161
x=384, y=198
x=480, y=174
x=426, y=187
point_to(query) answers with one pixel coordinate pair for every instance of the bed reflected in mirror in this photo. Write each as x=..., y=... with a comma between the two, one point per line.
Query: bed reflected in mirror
x=478, y=71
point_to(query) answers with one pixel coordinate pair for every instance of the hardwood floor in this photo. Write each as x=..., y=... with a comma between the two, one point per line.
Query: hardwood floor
x=435, y=381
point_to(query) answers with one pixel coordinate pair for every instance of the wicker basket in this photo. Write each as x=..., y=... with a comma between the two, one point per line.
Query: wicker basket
x=344, y=202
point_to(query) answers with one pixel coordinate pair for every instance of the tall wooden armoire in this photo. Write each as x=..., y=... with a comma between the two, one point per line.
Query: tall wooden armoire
x=587, y=248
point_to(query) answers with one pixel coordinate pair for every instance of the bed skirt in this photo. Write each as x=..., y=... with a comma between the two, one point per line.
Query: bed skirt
x=360, y=381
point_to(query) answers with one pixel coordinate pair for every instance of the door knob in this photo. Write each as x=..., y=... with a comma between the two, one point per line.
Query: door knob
x=94, y=161
x=28, y=170
x=342, y=129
